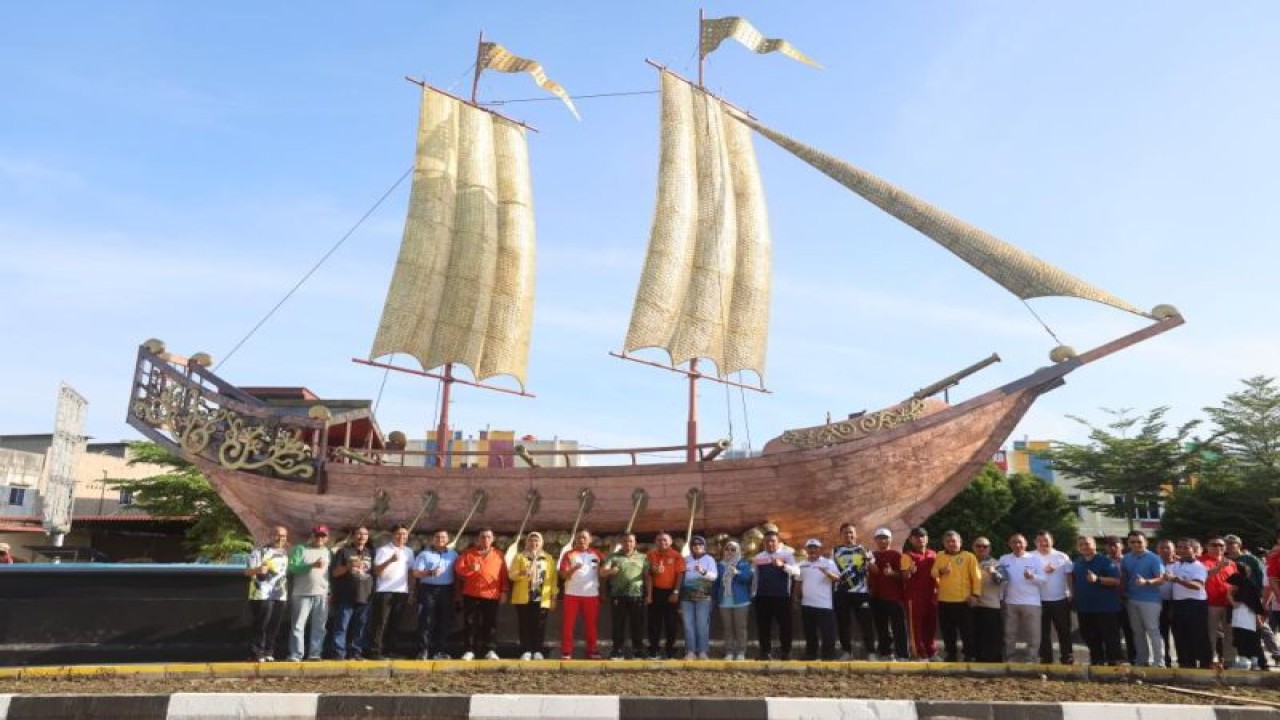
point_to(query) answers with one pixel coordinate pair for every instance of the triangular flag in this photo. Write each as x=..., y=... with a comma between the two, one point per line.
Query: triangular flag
x=717, y=30
x=495, y=57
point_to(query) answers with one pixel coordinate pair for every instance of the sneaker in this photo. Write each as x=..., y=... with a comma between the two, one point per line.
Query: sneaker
x=617, y=655
x=844, y=657
x=690, y=656
x=468, y=655
x=538, y=656
x=259, y=659
x=703, y=656
x=424, y=655
x=872, y=657
x=269, y=659
x=595, y=656
x=491, y=655
x=314, y=659
x=442, y=656
x=526, y=656
x=566, y=656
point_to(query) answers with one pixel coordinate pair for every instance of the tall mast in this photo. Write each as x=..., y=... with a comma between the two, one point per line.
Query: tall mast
x=701, y=58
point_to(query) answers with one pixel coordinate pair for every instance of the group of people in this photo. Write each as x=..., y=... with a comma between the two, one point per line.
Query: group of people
x=1128, y=600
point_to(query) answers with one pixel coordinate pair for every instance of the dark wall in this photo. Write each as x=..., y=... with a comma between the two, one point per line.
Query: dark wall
x=121, y=613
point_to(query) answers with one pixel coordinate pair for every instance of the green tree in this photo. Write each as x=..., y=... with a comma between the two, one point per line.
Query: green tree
x=1131, y=458
x=1249, y=427
x=182, y=491
x=1237, y=485
x=997, y=506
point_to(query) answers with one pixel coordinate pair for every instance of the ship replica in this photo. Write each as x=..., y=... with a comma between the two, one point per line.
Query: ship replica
x=462, y=295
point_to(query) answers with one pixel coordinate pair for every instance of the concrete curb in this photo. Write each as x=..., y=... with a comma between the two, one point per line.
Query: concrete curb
x=310, y=706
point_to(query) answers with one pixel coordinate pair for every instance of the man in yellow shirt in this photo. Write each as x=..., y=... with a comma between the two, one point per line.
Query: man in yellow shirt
x=959, y=587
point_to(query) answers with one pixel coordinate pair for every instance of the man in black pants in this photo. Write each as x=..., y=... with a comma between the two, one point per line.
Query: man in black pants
x=662, y=595
x=1190, y=609
x=851, y=596
x=625, y=571
x=775, y=569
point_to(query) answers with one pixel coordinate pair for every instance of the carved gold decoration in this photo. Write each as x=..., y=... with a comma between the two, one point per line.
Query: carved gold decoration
x=846, y=430
x=235, y=441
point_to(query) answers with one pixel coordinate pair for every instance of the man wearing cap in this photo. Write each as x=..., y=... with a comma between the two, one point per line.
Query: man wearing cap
x=884, y=581
x=920, y=592
x=817, y=574
x=775, y=568
x=851, y=597
x=352, y=587
x=700, y=573
x=309, y=606
x=6, y=554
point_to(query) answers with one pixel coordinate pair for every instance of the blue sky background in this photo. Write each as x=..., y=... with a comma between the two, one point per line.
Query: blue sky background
x=172, y=169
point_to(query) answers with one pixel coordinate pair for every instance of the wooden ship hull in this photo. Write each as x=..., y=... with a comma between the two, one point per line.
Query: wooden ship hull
x=894, y=468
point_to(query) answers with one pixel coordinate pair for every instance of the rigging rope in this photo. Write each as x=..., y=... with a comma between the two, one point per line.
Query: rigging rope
x=377, y=400
x=572, y=97
x=314, y=268
x=1043, y=324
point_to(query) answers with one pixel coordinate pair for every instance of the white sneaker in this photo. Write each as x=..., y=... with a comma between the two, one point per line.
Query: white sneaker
x=872, y=657
x=537, y=656
x=844, y=657
x=703, y=656
x=690, y=656
x=468, y=655
x=527, y=656
x=491, y=655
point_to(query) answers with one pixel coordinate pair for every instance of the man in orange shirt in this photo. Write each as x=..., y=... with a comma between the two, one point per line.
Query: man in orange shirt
x=662, y=594
x=482, y=573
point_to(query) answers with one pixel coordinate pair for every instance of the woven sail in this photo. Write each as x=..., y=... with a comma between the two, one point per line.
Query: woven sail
x=704, y=292
x=462, y=291
x=1020, y=272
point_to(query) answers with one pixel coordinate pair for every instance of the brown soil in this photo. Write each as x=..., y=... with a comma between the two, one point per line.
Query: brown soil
x=675, y=682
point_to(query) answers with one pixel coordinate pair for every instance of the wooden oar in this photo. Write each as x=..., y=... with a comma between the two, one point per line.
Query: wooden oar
x=585, y=498
x=428, y=506
x=638, y=500
x=693, y=496
x=532, y=497
x=477, y=500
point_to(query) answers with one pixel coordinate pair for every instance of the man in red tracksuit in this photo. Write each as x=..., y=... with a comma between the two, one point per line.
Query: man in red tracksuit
x=920, y=593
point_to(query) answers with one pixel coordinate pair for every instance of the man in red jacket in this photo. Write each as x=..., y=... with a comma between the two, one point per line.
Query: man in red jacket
x=920, y=590
x=482, y=574
x=884, y=581
x=1220, y=568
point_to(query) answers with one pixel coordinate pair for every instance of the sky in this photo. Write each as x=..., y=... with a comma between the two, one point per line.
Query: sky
x=172, y=170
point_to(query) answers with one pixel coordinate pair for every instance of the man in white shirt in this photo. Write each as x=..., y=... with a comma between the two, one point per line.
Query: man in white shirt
x=391, y=565
x=1055, y=600
x=1190, y=608
x=1025, y=573
x=775, y=568
x=817, y=612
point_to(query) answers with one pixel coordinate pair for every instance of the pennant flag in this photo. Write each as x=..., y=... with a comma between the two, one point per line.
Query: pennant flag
x=495, y=57
x=717, y=30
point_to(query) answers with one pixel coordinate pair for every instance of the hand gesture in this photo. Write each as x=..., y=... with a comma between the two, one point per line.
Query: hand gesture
x=1050, y=568
x=944, y=570
x=1026, y=573
x=1092, y=577
x=318, y=564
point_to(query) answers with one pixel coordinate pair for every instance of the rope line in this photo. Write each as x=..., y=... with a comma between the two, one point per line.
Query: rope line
x=573, y=97
x=1043, y=324
x=314, y=268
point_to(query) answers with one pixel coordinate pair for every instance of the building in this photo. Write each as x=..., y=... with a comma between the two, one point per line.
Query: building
x=1027, y=457
x=492, y=449
x=103, y=517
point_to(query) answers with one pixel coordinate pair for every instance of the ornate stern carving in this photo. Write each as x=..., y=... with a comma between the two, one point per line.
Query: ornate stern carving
x=179, y=410
x=854, y=428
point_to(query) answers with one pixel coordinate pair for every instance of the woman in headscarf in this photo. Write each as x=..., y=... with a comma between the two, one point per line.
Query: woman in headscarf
x=732, y=594
x=533, y=593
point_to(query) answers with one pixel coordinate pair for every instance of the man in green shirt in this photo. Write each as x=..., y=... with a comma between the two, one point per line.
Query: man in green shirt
x=626, y=570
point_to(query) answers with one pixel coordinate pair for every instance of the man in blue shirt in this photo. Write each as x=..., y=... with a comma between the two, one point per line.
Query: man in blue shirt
x=434, y=569
x=1095, y=589
x=1143, y=573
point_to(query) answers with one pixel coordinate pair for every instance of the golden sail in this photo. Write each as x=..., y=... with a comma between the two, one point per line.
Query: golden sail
x=462, y=291
x=1020, y=272
x=704, y=292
